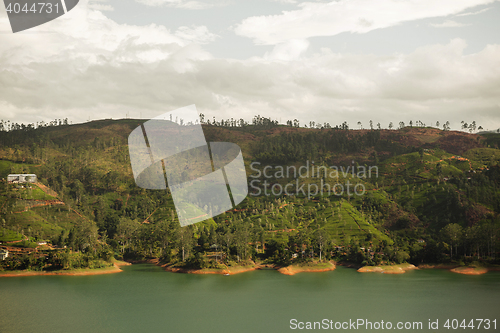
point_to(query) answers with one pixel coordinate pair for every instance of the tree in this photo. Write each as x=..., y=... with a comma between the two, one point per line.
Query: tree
x=185, y=242
x=321, y=238
x=124, y=231
x=472, y=127
x=439, y=170
x=452, y=233
x=391, y=125
x=421, y=154
x=241, y=238
x=228, y=240
x=446, y=126
x=401, y=256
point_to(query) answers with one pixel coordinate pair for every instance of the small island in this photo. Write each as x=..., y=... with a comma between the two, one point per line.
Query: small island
x=388, y=269
x=470, y=270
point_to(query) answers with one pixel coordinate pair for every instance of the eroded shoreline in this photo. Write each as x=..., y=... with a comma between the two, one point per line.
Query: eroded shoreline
x=287, y=270
x=74, y=272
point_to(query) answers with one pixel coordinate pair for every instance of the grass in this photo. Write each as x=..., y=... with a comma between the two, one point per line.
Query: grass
x=307, y=267
x=310, y=264
x=7, y=167
x=486, y=156
x=37, y=194
x=49, y=220
x=9, y=235
x=24, y=244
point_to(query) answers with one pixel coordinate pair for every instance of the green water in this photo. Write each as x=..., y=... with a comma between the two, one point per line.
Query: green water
x=144, y=298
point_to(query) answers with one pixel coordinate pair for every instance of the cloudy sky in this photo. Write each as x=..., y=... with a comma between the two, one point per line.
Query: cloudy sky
x=325, y=61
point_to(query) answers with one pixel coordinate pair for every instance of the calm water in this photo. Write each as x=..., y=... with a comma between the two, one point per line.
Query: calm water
x=144, y=298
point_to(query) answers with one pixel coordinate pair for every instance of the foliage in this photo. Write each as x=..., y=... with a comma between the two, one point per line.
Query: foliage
x=428, y=204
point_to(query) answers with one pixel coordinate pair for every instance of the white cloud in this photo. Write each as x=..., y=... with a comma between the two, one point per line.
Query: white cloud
x=474, y=13
x=290, y=50
x=196, y=34
x=86, y=65
x=97, y=6
x=185, y=4
x=436, y=82
x=356, y=16
x=285, y=1
x=448, y=24
x=85, y=37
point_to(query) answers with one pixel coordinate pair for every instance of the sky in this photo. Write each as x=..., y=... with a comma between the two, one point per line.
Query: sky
x=322, y=61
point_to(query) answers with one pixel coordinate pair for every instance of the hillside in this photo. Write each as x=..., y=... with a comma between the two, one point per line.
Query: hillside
x=433, y=196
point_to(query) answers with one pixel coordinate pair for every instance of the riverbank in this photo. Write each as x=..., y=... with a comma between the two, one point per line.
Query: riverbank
x=224, y=271
x=288, y=270
x=466, y=270
x=470, y=270
x=309, y=267
x=71, y=272
x=388, y=269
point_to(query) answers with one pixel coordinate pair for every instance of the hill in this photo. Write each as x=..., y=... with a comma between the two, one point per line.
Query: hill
x=430, y=192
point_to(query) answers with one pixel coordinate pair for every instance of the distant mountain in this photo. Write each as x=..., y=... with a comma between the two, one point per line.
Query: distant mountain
x=492, y=131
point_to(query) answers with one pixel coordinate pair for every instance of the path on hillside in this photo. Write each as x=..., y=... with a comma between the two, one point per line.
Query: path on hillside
x=352, y=217
x=39, y=203
x=18, y=241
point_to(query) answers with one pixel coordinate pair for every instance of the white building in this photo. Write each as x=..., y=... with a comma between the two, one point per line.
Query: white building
x=21, y=178
x=4, y=254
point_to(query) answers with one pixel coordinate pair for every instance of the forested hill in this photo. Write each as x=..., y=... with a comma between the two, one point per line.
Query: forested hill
x=435, y=196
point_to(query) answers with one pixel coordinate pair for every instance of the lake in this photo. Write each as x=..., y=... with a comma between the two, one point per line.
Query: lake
x=144, y=298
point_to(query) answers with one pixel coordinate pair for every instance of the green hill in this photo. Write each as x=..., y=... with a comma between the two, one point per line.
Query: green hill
x=422, y=181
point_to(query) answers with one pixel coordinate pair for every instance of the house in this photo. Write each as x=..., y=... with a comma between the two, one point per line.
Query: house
x=21, y=178
x=4, y=254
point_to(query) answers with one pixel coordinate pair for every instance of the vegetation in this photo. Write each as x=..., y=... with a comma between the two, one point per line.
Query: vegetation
x=435, y=198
